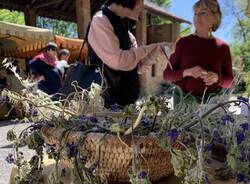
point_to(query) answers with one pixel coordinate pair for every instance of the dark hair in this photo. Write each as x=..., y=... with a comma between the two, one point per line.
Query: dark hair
x=125, y=3
x=64, y=52
x=51, y=46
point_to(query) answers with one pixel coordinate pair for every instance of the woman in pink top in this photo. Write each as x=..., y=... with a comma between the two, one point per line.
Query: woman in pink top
x=112, y=44
x=202, y=62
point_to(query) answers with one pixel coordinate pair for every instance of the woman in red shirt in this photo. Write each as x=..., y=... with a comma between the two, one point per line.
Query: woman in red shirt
x=201, y=62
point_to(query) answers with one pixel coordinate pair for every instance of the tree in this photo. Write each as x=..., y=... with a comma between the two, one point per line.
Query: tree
x=240, y=38
x=63, y=28
x=156, y=20
x=162, y=3
x=59, y=27
x=12, y=16
x=241, y=33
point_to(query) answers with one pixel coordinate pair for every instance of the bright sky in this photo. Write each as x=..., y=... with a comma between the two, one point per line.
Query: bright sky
x=183, y=8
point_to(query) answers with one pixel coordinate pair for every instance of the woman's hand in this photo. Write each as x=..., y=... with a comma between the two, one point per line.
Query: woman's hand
x=195, y=72
x=210, y=78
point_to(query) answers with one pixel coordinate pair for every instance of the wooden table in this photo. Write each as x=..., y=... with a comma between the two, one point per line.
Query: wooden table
x=49, y=165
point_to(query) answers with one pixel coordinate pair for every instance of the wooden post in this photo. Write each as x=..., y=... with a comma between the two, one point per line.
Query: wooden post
x=175, y=31
x=248, y=9
x=30, y=16
x=83, y=9
x=141, y=37
x=141, y=29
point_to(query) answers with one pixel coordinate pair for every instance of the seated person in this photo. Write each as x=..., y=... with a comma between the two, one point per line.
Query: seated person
x=44, y=64
x=62, y=63
x=201, y=62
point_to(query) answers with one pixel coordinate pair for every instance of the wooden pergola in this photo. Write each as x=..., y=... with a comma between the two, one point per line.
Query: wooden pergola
x=248, y=9
x=79, y=11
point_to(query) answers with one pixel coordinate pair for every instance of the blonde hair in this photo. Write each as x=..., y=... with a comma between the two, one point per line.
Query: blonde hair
x=214, y=7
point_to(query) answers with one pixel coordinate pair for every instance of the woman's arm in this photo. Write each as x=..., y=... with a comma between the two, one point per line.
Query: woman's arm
x=226, y=75
x=106, y=45
x=177, y=73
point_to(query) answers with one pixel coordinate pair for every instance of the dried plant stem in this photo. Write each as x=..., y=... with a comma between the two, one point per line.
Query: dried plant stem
x=137, y=122
x=22, y=98
x=119, y=138
x=213, y=109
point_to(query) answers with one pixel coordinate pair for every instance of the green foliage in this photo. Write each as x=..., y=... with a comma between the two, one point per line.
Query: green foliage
x=247, y=81
x=242, y=50
x=156, y=20
x=12, y=16
x=163, y=3
x=185, y=30
x=241, y=44
x=11, y=135
x=59, y=27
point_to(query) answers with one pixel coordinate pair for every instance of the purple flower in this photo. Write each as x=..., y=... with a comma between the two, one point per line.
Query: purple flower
x=216, y=136
x=85, y=119
x=240, y=137
x=244, y=126
x=206, y=130
x=50, y=149
x=142, y=175
x=84, y=159
x=226, y=119
x=51, y=125
x=248, y=158
x=32, y=111
x=208, y=147
x=244, y=99
x=71, y=150
x=115, y=107
x=36, y=126
x=186, y=141
x=206, y=180
x=243, y=157
x=145, y=121
x=173, y=134
x=2, y=99
x=92, y=168
x=240, y=178
x=10, y=159
x=93, y=119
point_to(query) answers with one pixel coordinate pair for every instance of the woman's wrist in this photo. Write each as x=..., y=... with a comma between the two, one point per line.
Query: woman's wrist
x=184, y=73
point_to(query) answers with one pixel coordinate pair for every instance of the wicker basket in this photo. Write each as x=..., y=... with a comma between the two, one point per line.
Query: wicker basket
x=116, y=157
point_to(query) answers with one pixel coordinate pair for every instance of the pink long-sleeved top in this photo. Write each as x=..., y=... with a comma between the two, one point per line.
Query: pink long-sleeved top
x=106, y=45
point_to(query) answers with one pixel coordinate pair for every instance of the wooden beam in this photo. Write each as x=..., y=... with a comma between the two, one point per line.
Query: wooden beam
x=141, y=37
x=66, y=5
x=83, y=9
x=45, y=4
x=57, y=15
x=141, y=29
x=7, y=3
x=32, y=2
x=30, y=17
